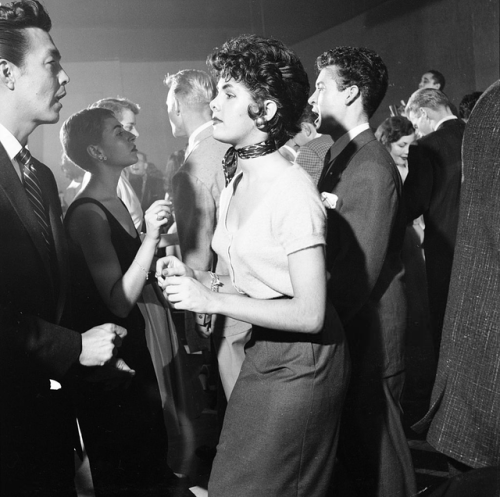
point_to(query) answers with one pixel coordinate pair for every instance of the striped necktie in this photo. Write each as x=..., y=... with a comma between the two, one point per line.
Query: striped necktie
x=34, y=192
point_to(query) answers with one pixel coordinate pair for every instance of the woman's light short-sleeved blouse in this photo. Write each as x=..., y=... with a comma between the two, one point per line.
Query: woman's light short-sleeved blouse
x=290, y=218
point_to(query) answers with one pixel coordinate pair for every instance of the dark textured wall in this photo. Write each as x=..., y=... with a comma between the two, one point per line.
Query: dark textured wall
x=460, y=38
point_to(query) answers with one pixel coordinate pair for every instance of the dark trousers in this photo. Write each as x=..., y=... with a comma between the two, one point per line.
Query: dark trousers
x=37, y=446
x=372, y=448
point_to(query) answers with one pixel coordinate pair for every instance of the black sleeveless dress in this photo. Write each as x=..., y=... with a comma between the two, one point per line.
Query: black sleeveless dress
x=122, y=428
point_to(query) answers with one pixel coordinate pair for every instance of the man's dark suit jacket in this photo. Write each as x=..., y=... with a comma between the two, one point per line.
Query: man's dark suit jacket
x=365, y=235
x=465, y=404
x=432, y=188
x=33, y=347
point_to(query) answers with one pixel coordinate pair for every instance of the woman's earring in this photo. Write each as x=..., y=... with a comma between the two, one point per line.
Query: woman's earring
x=260, y=122
x=102, y=158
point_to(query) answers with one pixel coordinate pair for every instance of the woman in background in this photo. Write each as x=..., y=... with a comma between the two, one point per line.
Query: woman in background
x=280, y=429
x=122, y=419
x=397, y=134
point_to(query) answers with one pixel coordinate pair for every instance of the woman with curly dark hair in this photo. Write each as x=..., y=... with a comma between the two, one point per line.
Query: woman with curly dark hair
x=280, y=430
x=397, y=133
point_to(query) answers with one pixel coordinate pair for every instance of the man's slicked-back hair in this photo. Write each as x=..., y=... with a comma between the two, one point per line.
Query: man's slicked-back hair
x=82, y=129
x=438, y=78
x=195, y=87
x=15, y=17
x=116, y=105
x=361, y=67
x=427, y=97
x=270, y=71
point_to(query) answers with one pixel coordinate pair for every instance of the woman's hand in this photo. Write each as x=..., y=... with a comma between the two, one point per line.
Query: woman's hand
x=188, y=294
x=157, y=216
x=171, y=266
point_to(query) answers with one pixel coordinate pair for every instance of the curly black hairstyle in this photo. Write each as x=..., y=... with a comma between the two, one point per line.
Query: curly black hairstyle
x=270, y=71
x=14, y=18
x=361, y=67
x=392, y=129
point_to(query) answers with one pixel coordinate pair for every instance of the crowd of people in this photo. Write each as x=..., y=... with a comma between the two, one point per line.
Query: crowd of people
x=299, y=245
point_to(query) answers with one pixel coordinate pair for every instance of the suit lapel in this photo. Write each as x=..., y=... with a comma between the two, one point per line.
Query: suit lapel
x=332, y=172
x=14, y=190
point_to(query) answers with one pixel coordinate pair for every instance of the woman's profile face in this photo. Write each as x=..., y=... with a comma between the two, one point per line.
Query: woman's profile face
x=117, y=144
x=400, y=148
x=231, y=121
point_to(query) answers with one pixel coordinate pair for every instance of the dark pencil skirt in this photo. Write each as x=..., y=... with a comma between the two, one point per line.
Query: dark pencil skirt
x=280, y=430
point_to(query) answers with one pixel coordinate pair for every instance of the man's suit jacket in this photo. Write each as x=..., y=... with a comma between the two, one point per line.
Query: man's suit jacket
x=33, y=347
x=311, y=156
x=465, y=405
x=432, y=188
x=364, y=240
x=196, y=189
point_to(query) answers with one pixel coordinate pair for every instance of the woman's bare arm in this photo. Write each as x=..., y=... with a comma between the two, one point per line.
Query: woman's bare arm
x=302, y=313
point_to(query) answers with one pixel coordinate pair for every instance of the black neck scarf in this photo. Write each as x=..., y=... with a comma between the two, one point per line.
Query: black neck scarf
x=230, y=161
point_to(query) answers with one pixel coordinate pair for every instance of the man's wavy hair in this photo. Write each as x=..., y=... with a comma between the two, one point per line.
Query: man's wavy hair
x=426, y=97
x=270, y=71
x=392, y=129
x=80, y=130
x=361, y=67
x=116, y=105
x=195, y=87
x=15, y=17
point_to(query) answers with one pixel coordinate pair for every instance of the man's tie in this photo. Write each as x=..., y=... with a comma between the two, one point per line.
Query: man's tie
x=34, y=192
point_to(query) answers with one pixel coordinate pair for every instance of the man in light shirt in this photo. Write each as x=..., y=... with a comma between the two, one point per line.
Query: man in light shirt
x=432, y=189
x=196, y=189
x=362, y=188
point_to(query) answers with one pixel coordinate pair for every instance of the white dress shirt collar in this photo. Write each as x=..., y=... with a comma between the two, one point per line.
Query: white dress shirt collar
x=346, y=138
x=447, y=118
x=11, y=146
x=192, y=143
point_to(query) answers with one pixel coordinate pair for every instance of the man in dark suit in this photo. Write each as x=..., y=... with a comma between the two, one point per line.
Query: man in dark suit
x=362, y=189
x=432, y=188
x=465, y=409
x=37, y=425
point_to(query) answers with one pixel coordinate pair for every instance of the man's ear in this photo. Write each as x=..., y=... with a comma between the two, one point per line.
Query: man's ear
x=423, y=112
x=7, y=74
x=177, y=106
x=307, y=128
x=353, y=93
